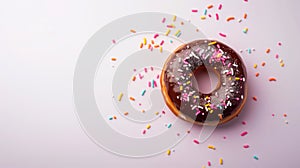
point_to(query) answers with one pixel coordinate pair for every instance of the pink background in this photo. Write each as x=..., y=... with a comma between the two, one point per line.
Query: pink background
x=41, y=40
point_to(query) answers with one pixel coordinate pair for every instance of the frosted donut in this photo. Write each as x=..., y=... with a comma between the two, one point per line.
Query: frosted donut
x=180, y=89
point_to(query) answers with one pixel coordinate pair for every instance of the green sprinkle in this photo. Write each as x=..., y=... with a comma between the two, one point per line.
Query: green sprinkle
x=255, y=157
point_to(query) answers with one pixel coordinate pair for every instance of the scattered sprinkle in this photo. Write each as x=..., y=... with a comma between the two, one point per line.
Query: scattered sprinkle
x=212, y=147
x=120, y=96
x=169, y=152
x=132, y=98
x=245, y=30
x=221, y=161
x=272, y=79
x=194, y=10
x=148, y=126
x=208, y=163
x=132, y=31
x=141, y=45
x=133, y=78
x=255, y=157
x=126, y=113
x=263, y=64
x=284, y=115
x=114, y=41
x=143, y=92
x=257, y=74
x=196, y=141
x=114, y=59
x=220, y=7
x=174, y=18
x=246, y=146
x=245, y=16
x=254, y=98
x=217, y=16
x=167, y=32
x=268, y=50
x=223, y=35
x=212, y=43
x=230, y=18
x=169, y=125
x=163, y=20
x=202, y=17
x=244, y=133
x=255, y=66
x=210, y=6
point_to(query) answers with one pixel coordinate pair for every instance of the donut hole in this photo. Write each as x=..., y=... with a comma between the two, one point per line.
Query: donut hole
x=207, y=79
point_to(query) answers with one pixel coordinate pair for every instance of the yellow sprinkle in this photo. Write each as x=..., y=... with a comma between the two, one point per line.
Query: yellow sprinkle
x=160, y=49
x=212, y=43
x=148, y=126
x=177, y=32
x=202, y=17
x=174, y=18
x=188, y=82
x=255, y=66
x=219, y=55
x=168, y=32
x=169, y=152
x=237, y=78
x=282, y=64
x=180, y=88
x=229, y=78
x=203, y=166
x=120, y=96
x=211, y=147
x=156, y=113
x=221, y=161
x=145, y=41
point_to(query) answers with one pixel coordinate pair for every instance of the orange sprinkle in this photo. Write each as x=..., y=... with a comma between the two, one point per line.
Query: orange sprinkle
x=149, y=46
x=126, y=113
x=152, y=41
x=272, y=79
x=245, y=15
x=254, y=98
x=132, y=31
x=132, y=99
x=210, y=6
x=257, y=74
x=156, y=46
x=133, y=78
x=230, y=18
x=114, y=59
x=115, y=117
x=263, y=64
x=141, y=45
x=268, y=50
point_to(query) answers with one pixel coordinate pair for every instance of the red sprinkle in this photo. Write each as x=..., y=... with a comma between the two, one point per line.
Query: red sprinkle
x=209, y=163
x=194, y=10
x=217, y=16
x=246, y=146
x=244, y=133
x=196, y=141
x=223, y=35
x=272, y=79
x=254, y=98
x=220, y=7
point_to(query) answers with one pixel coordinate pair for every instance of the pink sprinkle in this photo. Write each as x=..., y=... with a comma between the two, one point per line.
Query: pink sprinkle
x=209, y=15
x=196, y=141
x=114, y=41
x=151, y=68
x=197, y=113
x=217, y=16
x=194, y=10
x=273, y=115
x=279, y=43
x=141, y=76
x=144, y=132
x=156, y=35
x=209, y=163
x=163, y=112
x=224, y=137
x=244, y=123
x=134, y=70
x=220, y=7
x=162, y=42
x=157, y=77
x=246, y=0
x=155, y=84
x=146, y=70
x=169, y=26
x=163, y=20
x=246, y=146
x=244, y=133
x=223, y=35
x=149, y=84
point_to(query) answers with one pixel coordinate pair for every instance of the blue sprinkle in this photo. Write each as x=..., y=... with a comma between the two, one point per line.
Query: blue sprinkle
x=143, y=92
x=205, y=12
x=255, y=157
x=169, y=125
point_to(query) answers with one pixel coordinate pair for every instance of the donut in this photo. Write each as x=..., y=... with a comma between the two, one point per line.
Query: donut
x=180, y=88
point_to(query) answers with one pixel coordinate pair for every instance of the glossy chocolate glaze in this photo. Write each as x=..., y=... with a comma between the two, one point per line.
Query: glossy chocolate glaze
x=182, y=87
